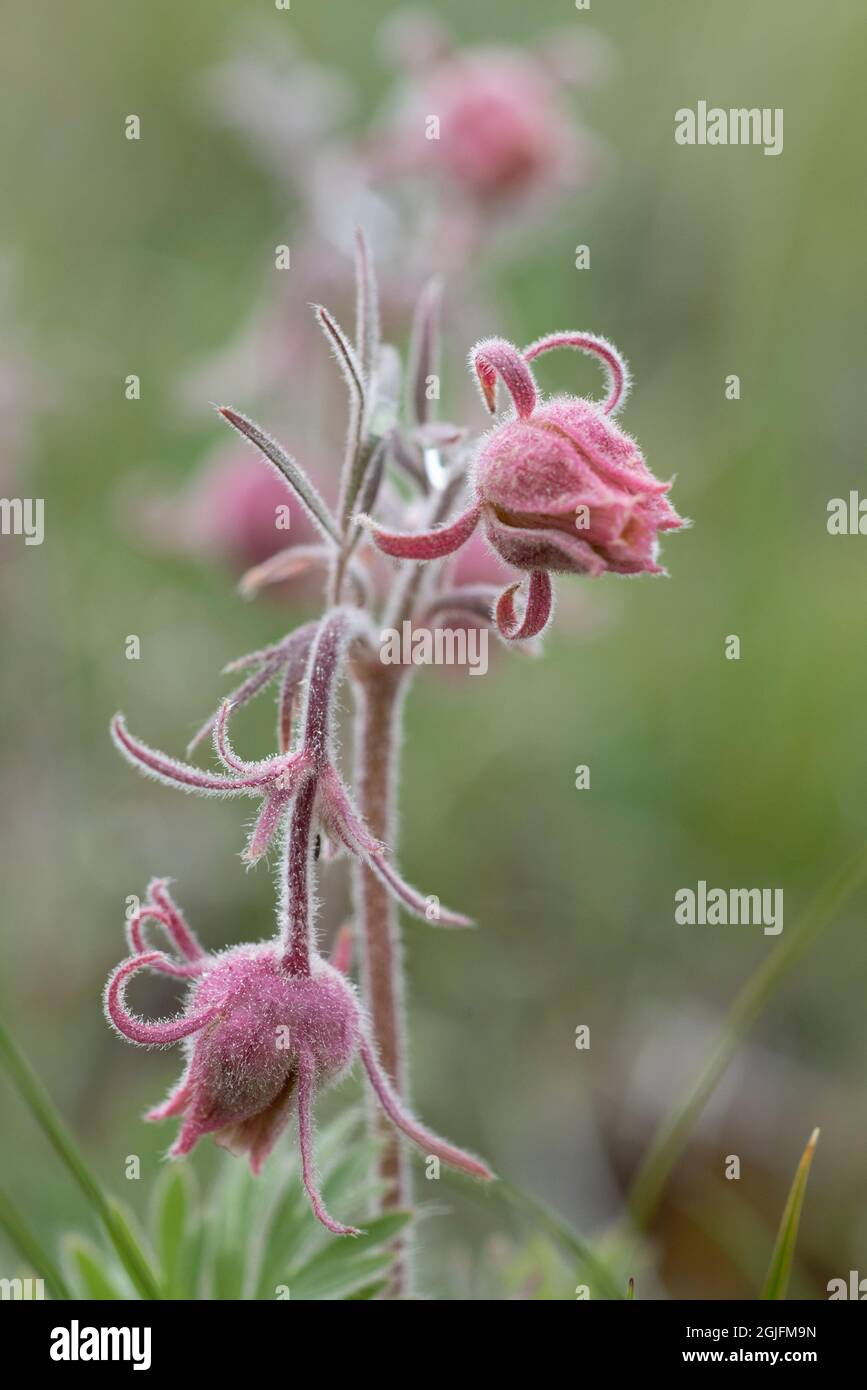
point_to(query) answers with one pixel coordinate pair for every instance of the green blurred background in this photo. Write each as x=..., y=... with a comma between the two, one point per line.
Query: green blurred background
x=146, y=257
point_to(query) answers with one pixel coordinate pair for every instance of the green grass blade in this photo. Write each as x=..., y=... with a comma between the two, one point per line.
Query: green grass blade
x=31, y=1250
x=174, y=1219
x=90, y=1269
x=47, y=1116
x=671, y=1137
x=784, y=1250
x=368, y=1292
x=229, y=1231
x=287, y=1231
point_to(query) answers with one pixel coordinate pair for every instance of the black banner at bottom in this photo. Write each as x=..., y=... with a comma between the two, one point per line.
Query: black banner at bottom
x=64, y=1339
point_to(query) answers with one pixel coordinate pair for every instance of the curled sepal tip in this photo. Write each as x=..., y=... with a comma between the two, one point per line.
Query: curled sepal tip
x=537, y=609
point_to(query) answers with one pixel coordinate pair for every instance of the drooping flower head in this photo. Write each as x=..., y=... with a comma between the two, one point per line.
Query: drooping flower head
x=265, y=1028
x=559, y=487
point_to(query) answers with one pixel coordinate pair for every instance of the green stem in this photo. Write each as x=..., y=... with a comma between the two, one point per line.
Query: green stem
x=672, y=1134
x=44, y=1111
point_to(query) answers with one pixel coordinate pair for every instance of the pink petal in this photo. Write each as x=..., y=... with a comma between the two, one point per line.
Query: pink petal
x=257, y=1135
x=536, y=547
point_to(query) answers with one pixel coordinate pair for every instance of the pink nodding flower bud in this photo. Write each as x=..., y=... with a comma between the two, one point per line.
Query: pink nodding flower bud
x=559, y=487
x=567, y=491
x=265, y=1030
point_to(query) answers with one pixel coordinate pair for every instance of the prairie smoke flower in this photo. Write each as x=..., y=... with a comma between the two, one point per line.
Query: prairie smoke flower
x=265, y=1028
x=559, y=487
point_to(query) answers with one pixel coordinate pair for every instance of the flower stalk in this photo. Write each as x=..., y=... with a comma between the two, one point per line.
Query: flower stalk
x=266, y=1026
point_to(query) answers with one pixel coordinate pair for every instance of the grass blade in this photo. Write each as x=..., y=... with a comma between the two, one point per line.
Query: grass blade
x=672, y=1134
x=47, y=1116
x=175, y=1217
x=89, y=1265
x=784, y=1250
x=31, y=1250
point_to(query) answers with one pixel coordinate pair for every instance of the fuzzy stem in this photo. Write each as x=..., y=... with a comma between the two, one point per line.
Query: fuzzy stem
x=380, y=691
x=324, y=669
x=296, y=883
x=324, y=663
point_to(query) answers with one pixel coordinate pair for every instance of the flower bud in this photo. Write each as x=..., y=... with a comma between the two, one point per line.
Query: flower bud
x=243, y=1067
x=565, y=490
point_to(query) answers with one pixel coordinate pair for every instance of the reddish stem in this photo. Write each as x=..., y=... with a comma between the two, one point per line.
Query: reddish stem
x=298, y=851
x=379, y=694
x=324, y=661
x=296, y=886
